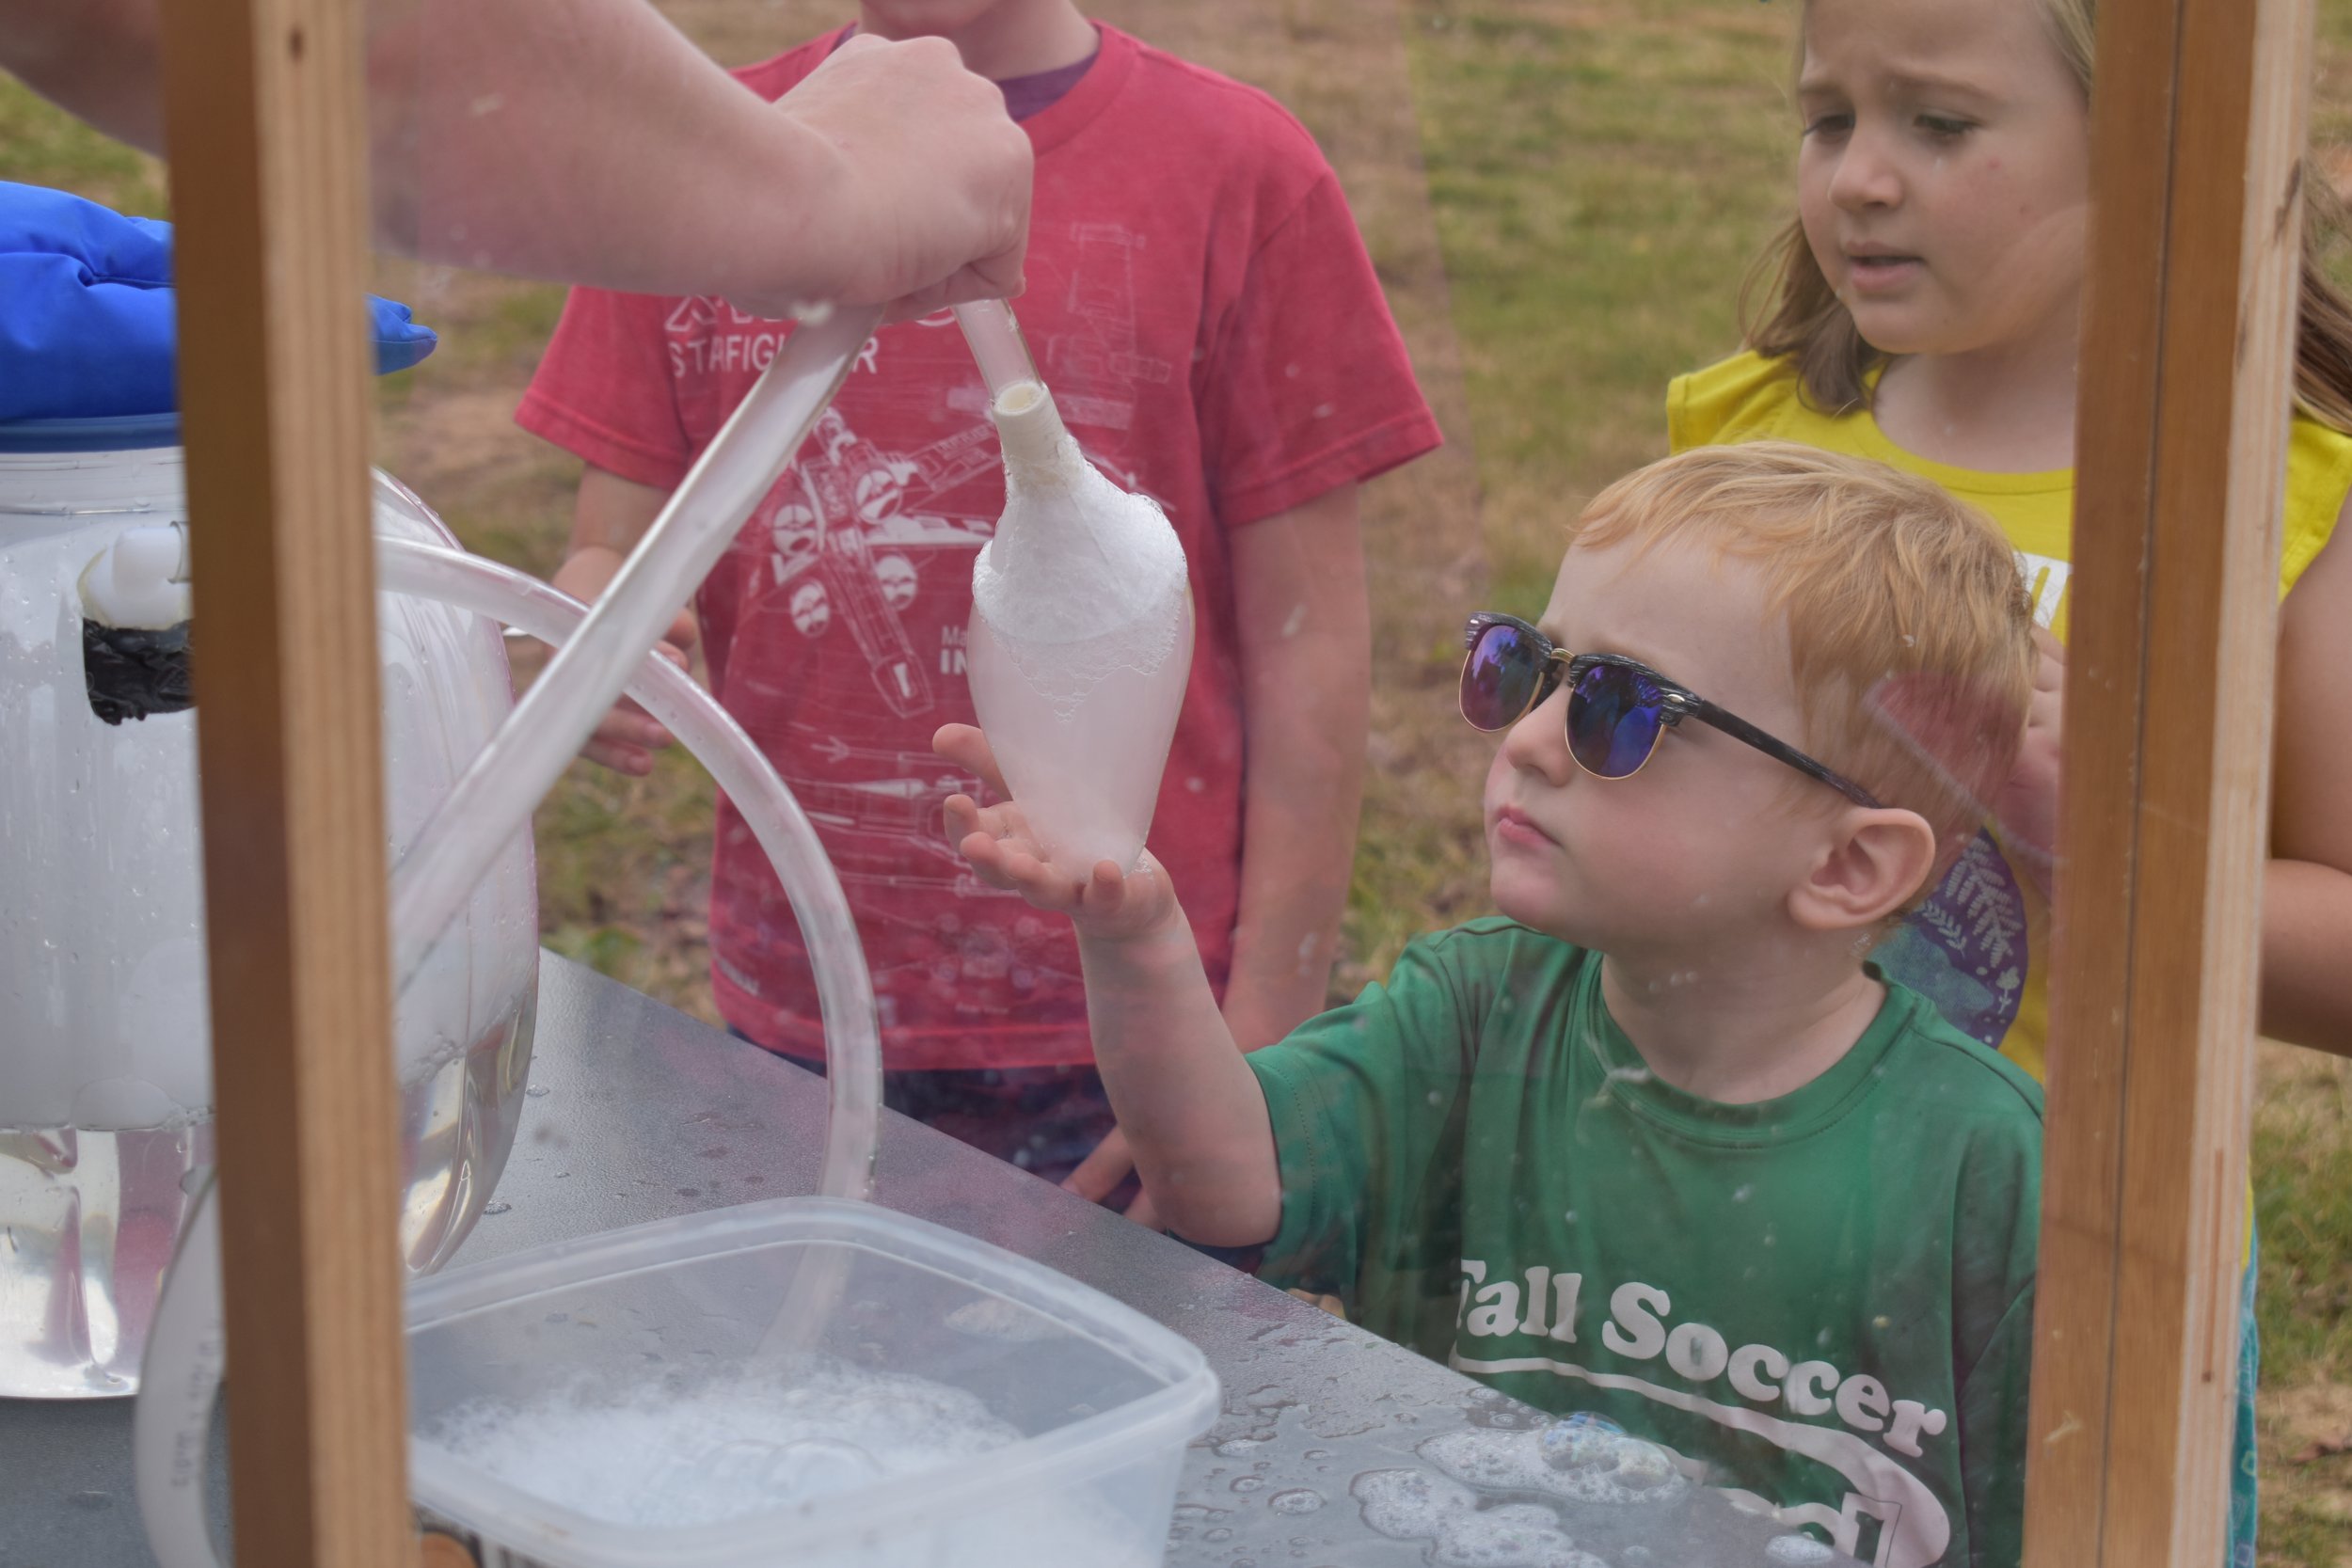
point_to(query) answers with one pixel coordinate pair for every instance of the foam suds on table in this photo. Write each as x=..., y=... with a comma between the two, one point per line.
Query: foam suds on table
x=1487, y=1499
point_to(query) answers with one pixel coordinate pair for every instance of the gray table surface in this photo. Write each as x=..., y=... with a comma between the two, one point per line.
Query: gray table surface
x=636, y=1113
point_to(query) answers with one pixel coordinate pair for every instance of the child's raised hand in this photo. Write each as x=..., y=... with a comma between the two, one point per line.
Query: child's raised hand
x=1104, y=903
x=2028, y=807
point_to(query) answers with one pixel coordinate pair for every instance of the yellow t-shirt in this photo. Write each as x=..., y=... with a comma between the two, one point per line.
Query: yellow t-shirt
x=1979, y=947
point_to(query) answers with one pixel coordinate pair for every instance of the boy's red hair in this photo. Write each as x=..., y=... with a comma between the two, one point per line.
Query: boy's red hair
x=1910, y=629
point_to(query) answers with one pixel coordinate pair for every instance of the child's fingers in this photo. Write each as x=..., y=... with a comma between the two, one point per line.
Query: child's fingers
x=986, y=857
x=989, y=857
x=1145, y=1213
x=1005, y=863
x=1330, y=1304
x=1102, y=1169
x=968, y=748
x=1105, y=889
x=1038, y=882
x=964, y=817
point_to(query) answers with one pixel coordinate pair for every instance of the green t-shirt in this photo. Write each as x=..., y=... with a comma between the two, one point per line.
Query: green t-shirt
x=1826, y=1298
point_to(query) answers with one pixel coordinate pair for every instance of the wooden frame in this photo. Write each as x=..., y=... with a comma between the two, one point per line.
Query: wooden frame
x=2199, y=128
x=2198, y=121
x=266, y=127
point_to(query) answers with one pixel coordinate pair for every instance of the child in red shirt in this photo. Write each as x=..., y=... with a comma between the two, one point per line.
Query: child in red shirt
x=1204, y=310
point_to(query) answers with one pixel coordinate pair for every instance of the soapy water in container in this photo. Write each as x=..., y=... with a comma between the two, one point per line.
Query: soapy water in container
x=651, y=1456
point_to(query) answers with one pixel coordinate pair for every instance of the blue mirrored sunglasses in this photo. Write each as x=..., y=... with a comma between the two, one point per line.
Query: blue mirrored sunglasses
x=1618, y=708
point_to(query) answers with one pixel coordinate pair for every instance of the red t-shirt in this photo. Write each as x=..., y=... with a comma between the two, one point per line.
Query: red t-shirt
x=1202, y=308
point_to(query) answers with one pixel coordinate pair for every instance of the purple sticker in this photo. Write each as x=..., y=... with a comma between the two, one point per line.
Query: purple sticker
x=1965, y=948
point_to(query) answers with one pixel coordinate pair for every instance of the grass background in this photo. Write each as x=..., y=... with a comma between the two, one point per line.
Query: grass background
x=1562, y=197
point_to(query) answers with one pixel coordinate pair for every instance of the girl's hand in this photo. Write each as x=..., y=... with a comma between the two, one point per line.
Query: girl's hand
x=2027, y=807
x=1106, y=905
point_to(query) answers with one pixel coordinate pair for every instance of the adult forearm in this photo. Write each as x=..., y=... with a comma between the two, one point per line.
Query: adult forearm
x=99, y=58
x=586, y=140
x=1191, y=1108
x=2307, y=956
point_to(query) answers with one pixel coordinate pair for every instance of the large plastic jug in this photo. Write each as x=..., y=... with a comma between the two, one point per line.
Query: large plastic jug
x=105, y=1075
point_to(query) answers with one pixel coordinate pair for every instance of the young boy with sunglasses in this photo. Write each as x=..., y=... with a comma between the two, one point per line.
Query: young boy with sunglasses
x=1659, y=1144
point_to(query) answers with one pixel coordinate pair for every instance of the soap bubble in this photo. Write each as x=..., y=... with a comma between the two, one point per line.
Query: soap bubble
x=1578, y=1439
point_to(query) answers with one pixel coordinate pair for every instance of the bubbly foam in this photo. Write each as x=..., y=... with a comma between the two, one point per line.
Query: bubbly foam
x=1411, y=1505
x=1081, y=580
x=1077, y=559
x=1483, y=1503
x=648, y=1457
x=1583, y=1464
x=1414, y=1505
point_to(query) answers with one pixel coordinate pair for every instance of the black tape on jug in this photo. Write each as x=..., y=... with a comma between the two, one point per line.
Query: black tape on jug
x=133, y=673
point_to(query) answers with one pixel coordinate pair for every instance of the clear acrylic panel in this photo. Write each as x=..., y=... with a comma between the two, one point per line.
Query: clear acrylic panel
x=1731, y=1238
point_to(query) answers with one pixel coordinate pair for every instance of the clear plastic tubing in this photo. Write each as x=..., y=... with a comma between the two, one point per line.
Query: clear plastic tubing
x=497, y=795
x=185, y=1353
x=994, y=336
x=845, y=993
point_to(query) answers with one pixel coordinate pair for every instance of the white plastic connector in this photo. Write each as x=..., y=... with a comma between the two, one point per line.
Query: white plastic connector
x=140, y=579
x=1028, y=426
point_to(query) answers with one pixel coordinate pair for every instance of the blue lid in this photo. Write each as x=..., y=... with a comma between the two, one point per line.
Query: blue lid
x=113, y=432
x=88, y=339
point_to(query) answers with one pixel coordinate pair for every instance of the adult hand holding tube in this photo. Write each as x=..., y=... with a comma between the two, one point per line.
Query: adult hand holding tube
x=917, y=219
x=588, y=141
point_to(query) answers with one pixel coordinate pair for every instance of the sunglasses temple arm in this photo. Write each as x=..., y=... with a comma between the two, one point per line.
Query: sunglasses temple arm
x=1780, y=750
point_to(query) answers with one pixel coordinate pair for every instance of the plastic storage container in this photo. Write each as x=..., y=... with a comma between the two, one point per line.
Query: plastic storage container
x=804, y=1381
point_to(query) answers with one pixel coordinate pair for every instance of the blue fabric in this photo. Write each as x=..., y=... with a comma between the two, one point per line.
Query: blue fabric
x=2245, y=1458
x=86, y=326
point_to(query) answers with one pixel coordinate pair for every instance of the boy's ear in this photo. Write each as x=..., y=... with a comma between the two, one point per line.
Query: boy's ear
x=1876, y=864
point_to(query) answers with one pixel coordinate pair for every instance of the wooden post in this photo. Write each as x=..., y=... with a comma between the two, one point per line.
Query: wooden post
x=266, y=133
x=2199, y=128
